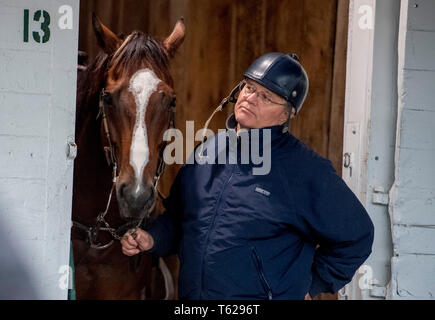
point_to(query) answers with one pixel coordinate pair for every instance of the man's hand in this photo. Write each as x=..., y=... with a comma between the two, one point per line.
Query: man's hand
x=308, y=297
x=134, y=242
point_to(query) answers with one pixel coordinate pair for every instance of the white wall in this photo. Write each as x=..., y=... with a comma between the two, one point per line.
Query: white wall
x=390, y=129
x=37, y=101
x=412, y=198
x=359, y=79
x=381, y=142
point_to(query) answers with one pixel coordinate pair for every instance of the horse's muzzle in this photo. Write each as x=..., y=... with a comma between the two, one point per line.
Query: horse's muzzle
x=135, y=201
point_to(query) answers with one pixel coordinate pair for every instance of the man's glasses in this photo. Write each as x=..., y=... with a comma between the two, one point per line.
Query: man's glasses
x=249, y=88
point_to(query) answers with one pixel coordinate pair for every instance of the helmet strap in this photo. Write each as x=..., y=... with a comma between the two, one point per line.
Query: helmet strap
x=231, y=98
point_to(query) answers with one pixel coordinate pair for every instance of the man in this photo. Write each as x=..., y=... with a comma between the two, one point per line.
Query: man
x=289, y=234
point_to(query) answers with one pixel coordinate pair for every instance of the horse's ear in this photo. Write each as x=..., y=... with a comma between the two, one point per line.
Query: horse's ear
x=107, y=40
x=176, y=38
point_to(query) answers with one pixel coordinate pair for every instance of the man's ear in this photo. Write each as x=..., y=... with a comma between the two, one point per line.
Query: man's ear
x=286, y=116
x=176, y=38
x=106, y=39
x=292, y=115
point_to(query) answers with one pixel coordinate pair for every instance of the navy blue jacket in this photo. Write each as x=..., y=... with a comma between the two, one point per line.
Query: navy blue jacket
x=296, y=230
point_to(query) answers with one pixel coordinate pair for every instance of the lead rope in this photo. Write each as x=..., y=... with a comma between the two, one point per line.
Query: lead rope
x=101, y=216
x=111, y=159
x=231, y=98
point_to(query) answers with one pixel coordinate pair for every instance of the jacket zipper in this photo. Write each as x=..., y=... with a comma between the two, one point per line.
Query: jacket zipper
x=210, y=228
x=263, y=280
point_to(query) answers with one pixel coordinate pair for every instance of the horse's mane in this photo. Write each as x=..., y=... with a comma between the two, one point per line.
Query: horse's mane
x=138, y=49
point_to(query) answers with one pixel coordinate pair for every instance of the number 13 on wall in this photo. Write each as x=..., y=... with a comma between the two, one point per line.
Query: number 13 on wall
x=42, y=16
x=45, y=23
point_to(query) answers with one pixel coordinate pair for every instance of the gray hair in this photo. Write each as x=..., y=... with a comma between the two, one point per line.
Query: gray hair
x=290, y=109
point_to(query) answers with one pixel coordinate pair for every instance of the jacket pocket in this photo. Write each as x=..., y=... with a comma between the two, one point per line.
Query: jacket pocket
x=263, y=280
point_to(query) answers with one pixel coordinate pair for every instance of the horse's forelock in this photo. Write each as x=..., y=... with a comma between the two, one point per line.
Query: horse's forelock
x=137, y=50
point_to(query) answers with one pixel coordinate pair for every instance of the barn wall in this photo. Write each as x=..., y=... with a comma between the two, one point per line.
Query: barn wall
x=412, y=204
x=370, y=124
x=381, y=140
x=390, y=116
x=222, y=40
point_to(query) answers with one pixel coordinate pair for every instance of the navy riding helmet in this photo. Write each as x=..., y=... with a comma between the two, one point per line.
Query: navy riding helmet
x=283, y=75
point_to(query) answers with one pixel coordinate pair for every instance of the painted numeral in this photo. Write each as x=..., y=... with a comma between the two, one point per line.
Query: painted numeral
x=45, y=23
x=26, y=26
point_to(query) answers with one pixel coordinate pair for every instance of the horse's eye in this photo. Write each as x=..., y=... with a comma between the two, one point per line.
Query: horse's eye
x=107, y=98
x=173, y=102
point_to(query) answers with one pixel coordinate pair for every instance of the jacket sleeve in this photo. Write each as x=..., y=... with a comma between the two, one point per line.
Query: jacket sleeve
x=334, y=219
x=166, y=229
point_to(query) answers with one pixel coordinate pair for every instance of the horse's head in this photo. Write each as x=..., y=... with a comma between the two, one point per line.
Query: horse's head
x=138, y=101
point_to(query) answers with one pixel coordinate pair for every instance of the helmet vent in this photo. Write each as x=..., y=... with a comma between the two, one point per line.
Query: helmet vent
x=294, y=56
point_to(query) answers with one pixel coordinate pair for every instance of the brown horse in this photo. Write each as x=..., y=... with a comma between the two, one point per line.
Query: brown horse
x=125, y=102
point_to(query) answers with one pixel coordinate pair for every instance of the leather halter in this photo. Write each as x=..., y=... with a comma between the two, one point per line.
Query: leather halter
x=92, y=232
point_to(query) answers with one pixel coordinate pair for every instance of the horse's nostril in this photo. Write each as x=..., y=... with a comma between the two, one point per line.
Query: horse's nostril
x=122, y=190
x=144, y=196
x=136, y=198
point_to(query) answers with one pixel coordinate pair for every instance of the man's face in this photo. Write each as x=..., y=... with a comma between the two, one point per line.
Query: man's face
x=258, y=107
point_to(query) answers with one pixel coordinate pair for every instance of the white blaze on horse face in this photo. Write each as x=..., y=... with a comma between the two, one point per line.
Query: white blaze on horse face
x=142, y=85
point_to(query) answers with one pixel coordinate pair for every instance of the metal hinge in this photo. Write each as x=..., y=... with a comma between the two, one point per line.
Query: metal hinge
x=380, y=196
x=71, y=150
x=348, y=160
x=343, y=293
x=378, y=292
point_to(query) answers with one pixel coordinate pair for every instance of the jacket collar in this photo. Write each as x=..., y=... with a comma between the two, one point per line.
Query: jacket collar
x=276, y=131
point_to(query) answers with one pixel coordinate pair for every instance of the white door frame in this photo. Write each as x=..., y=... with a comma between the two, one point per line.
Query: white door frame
x=369, y=131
